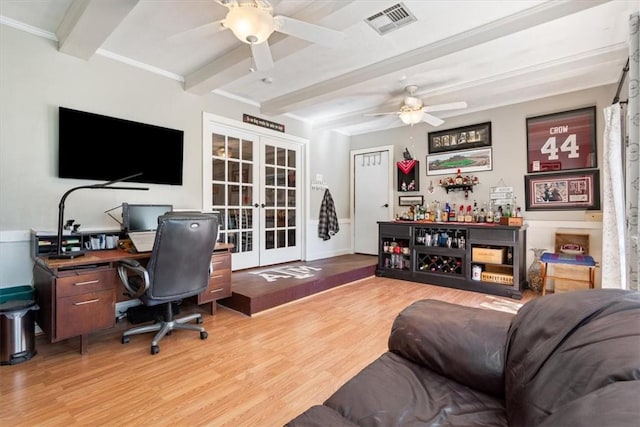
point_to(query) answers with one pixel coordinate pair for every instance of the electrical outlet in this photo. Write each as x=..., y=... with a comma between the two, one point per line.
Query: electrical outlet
x=593, y=216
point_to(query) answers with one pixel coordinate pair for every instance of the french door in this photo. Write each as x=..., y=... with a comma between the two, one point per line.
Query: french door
x=253, y=181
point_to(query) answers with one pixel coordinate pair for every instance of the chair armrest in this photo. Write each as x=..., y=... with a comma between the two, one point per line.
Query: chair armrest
x=462, y=343
x=127, y=266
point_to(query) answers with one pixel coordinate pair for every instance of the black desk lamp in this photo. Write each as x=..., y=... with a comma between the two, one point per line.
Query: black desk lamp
x=107, y=185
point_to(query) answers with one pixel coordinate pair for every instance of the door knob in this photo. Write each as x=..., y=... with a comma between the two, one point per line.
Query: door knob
x=386, y=205
x=255, y=205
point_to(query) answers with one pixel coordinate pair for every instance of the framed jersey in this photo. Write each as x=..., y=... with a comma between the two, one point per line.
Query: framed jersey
x=562, y=141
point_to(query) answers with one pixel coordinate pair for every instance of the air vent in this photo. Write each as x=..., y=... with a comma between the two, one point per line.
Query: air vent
x=391, y=19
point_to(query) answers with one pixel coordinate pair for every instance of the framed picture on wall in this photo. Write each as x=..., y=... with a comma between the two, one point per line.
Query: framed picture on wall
x=562, y=141
x=563, y=191
x=461, y=138
x=466, y=161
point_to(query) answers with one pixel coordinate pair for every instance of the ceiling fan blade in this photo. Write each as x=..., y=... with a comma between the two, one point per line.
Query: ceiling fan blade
x=432, y=120
x=443, y=107
x=201, y=31
x=381, y=114
x=307, y=31
x=262, y=56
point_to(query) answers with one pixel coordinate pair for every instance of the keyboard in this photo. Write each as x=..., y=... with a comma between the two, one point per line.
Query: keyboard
x=143, y=240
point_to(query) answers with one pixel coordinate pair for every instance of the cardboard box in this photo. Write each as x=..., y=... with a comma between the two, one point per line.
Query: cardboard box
x=514, y=221
x=488, y=255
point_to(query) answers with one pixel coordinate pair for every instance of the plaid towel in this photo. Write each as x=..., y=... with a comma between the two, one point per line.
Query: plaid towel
x=327, y=220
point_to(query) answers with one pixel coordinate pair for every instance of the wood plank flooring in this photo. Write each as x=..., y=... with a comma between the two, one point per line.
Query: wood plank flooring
x=251, y=371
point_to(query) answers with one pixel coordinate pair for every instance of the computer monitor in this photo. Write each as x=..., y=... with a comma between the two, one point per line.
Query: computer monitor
x=142, y=217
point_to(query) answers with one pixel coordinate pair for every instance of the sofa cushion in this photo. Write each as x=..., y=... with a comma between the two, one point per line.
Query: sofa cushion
x=393, y=391
x=465, y=344
x=320, y=416
x=564, y=347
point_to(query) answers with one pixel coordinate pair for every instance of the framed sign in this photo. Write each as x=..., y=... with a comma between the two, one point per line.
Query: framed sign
x=562, y=141
x=466, y=161
x=563, y=191
x=461, y=138
x=410, y=200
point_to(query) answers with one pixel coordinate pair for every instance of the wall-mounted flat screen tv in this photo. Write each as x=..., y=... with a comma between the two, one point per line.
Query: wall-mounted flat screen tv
x=96, y=147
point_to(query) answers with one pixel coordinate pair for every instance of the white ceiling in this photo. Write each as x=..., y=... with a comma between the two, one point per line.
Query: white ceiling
x=487, y=53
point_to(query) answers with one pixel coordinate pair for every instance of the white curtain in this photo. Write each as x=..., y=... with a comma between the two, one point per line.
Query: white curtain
x=613, y=201
x=632, y=155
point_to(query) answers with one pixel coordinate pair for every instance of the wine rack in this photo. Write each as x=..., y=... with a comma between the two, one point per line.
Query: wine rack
x=439, y=263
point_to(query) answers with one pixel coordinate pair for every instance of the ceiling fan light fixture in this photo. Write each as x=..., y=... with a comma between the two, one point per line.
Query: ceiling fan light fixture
x=411, y=116
x=250, y=24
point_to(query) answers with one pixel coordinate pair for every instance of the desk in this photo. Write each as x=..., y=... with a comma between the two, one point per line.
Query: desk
x=579, y=261
x=78, y=296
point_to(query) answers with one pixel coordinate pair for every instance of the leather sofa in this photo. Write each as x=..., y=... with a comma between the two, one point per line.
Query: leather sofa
x=569, y=359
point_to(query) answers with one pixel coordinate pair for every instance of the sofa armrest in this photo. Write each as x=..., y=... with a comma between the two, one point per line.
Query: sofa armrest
x=462, y=343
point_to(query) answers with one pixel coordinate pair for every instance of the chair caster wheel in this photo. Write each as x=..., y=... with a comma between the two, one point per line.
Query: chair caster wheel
x=124, y=340
x=203, y=335
x=155, y=349
x=199, y=320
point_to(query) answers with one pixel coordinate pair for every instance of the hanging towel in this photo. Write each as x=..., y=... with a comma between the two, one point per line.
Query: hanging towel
x=327, y=220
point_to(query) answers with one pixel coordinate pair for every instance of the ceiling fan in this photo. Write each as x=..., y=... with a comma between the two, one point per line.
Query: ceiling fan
x=252, y=22
x=413, y=110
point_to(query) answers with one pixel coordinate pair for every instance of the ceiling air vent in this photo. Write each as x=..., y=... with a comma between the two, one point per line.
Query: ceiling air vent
x=391, y=19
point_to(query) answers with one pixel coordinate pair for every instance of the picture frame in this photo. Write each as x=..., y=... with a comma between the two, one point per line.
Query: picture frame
x=576, y=190
x=410, y=200
x=461, y=138
x=476, y=160
x=562, y=141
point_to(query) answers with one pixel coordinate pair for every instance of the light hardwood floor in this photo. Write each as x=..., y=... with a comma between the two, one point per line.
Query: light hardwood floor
x=251, y=371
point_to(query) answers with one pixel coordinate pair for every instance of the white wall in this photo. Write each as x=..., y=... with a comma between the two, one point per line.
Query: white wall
x=34, y=80
x=509, y=142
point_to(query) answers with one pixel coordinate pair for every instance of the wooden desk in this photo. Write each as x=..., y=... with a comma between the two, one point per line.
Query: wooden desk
x=78, y=296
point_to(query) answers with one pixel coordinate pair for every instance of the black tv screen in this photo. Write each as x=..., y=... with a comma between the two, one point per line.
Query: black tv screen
x=102, y=148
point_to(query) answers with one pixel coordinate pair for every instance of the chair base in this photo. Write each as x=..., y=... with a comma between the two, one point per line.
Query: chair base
x=165, y=327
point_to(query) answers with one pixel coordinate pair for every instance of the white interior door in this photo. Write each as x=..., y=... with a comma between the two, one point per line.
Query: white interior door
x=372, y=195
x=252, y=180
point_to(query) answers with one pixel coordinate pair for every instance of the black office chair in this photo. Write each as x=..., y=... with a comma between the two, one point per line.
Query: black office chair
x=178, y=268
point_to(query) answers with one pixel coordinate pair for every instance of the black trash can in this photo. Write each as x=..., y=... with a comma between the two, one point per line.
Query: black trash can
x=17, y=331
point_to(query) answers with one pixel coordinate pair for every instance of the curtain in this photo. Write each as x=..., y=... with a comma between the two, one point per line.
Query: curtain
x=613, y=203
x=632, y=154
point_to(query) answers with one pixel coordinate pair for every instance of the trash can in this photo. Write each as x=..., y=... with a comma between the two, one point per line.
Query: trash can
x=17, y=331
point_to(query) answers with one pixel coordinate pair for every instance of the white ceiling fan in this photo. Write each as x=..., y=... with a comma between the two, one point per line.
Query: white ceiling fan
x=252, y=22
x=413, y=110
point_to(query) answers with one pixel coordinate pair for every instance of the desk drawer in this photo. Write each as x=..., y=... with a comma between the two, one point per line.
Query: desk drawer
x=81, y=314
x=219, y=281
x=221, y=261
x=89, y=281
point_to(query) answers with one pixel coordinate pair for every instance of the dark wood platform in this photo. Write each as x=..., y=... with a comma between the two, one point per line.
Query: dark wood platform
x=256, y=290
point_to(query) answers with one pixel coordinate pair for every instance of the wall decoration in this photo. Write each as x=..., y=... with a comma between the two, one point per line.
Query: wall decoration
x=262, y=122
x=408, y=175
x=467, y=161
x=562, y=141
x=563, y=191
x=410, y=200
x=461, y=138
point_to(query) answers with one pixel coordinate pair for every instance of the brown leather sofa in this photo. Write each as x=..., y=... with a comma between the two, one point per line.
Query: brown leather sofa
x=569, y=359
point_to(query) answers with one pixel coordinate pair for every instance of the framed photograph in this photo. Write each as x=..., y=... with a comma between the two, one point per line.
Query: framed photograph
x=461, y=138
x=466, y=161
x=410, y=200
x=563, y=191
x=562, y=141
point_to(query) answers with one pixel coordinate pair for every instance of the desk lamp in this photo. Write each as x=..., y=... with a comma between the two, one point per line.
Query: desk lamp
x=107, y=185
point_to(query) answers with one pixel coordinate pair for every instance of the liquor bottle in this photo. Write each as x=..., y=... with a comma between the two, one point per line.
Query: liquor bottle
x=468, y=217
x=438, y=217
x=453, y=213
x=497, y=215
x=446, y=212
x=482, y=216
x=507, y=213
x=489, y=217
x=461, y=217
x=476, y=213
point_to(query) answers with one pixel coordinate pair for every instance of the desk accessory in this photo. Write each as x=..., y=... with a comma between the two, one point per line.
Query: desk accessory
x=107, y=185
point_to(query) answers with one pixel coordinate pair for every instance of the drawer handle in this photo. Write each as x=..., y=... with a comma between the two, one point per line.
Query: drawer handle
x=87, y=302
x=218, y=262
x=215, y=276
x=89, y=282
x=213, y=291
